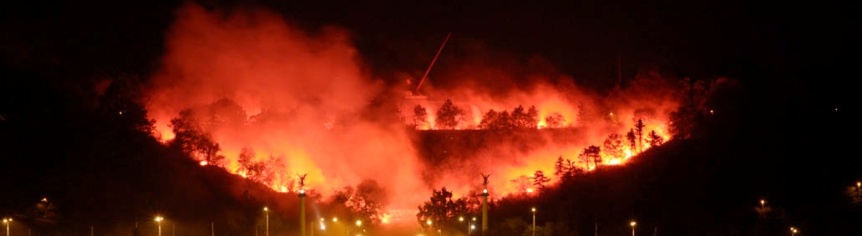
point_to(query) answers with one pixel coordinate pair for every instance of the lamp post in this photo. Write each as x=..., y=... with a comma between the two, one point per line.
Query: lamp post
x=159, y=223
x=322, y=226
x=429, y=223
x=793, y=231
x=461, y=219
x=7, y=221
x=472, y=226
x=302, y=212
x=633, y=224
x=484, y=210
x=266, y=212
x=534, y=220
x=358, y=225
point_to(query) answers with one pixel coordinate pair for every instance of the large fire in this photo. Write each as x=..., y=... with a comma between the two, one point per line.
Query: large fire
x=280, y=102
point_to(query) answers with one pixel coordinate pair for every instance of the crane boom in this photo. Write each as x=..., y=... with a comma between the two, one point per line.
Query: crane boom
x=419, y=85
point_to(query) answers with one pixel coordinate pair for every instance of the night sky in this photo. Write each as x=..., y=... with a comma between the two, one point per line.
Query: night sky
x=787, y=41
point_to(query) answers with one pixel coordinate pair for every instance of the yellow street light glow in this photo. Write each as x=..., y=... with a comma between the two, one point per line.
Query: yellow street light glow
x=428, y=222
x=858, y=184
x=265, y=209
x=633, y=223
x=485, y=190
x=159, y=219
x=461, y=218
x=334, y=219
x=358, y=223
x=533, y=209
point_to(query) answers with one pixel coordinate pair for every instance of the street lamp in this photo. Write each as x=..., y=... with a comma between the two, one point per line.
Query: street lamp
x=159, y=222
x=762, y=203
x=793, y=231
x=7, y=221
x=472, y=226
x=428, y=222
x=322, y=225
x=534, y=220
x=633, y=224
x=358, y=226
x=461, y=219
x=266, y=212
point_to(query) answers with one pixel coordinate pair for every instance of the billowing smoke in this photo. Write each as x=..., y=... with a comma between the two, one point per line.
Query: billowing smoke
x=299, y=100
x=301, y=103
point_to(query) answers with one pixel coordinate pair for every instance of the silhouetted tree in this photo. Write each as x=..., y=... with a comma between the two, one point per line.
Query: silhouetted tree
x=591, y=154
x=566, y=169
x=253, y=169
x=654, y=139
x=540, y=180
x=559, y=167
x=613, y=146
x=190, y=139
x=555, y=120
x=532, y=118
x=639, y=132
x=442, y=210
x=420, y=116
x=503, y=122
x=368, y=199
x=630, y=136
x=449, y=115
x=489, y=119
x=525, y=119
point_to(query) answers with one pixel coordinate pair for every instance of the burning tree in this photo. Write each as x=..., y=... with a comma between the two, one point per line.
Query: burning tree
x=613, y=146
x=591, y=154
x=192, y=140
x=441, y=210
x=449, y=115
x=254, y=170
x=654, y=139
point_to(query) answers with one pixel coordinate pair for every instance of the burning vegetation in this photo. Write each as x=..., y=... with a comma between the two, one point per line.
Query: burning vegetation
x=252, y=93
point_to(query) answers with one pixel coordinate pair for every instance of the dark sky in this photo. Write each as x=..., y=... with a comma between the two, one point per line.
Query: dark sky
x=814, y=41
